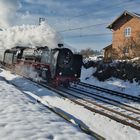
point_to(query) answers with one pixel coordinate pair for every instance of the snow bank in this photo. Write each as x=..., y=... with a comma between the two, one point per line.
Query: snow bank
x=111, y=83
x=29, y=35
x=22, y=118
x=87, y=73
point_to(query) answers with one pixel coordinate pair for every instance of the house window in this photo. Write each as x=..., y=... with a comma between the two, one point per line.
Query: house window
x=127, y=32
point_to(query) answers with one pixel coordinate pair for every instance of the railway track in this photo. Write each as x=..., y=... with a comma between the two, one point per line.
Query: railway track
x=100, y=108
x=106, y=100
x=129, y=116
x=110, y=92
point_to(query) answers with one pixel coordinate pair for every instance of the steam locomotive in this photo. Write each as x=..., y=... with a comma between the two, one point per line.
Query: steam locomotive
x=56, y=66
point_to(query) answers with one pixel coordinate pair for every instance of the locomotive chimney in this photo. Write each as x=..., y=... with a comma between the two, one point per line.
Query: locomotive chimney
x=60, y=45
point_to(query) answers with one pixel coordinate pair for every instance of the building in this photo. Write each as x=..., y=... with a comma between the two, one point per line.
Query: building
x=126, y=37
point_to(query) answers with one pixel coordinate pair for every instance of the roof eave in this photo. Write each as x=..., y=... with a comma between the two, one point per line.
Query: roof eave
x=107, y=47
x=124, y=13
x=110, y=25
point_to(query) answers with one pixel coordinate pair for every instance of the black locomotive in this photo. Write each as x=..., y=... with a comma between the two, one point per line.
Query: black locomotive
x=56, y=66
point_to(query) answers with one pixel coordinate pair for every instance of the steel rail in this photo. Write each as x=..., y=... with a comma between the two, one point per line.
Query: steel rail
x=112, y=92
x=83, y=103
x=109, y=100
x=101, y=106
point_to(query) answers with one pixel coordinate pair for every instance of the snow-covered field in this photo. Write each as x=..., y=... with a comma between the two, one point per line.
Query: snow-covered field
x=104, y=126
x=23, y=119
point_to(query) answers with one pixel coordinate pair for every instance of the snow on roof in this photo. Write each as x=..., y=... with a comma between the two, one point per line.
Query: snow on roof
x=138, y=15
x=29, y=36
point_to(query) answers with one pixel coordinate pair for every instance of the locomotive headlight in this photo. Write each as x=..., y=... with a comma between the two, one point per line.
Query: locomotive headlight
x=60, y=73
x=75, y=75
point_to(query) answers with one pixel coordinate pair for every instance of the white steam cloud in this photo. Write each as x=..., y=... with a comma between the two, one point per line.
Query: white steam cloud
x=29, y=36
x=8, y=10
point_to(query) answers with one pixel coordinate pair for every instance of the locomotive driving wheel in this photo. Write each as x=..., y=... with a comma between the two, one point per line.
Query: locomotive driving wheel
x=66, y=84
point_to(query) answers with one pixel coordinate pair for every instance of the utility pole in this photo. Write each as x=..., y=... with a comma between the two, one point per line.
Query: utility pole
x=40, y=20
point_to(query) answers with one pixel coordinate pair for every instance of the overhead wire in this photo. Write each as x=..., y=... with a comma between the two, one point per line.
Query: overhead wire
x=107, y=7
x=127, y=2
x=90, y=26
x=97, y=34
x=88, y=35
x=93, y=25
x=83, y=27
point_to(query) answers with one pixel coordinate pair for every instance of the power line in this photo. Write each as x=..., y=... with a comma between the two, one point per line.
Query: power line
x=88, y=35
x=107, y=7
x=82, y=27
x=98, y=34
x=89, y=26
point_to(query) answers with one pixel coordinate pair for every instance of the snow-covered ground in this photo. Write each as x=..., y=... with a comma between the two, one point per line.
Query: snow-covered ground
x=112, y=83
x=23, y=119
x=104, y=126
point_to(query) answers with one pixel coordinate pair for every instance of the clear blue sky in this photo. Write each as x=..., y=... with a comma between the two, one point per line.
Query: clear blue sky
x=69, y=14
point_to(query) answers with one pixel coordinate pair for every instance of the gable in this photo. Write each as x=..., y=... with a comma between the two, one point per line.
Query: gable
x=122, y=19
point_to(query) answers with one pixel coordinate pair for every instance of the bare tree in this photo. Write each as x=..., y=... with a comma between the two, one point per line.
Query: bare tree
x=89, y=52
x=129, y=49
